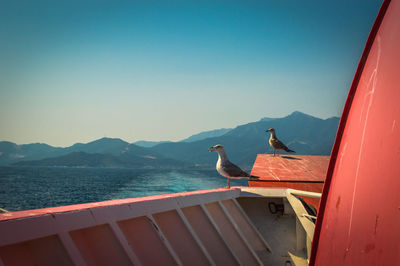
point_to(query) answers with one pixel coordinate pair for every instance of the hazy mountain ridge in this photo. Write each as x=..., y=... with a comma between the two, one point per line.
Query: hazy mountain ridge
x=11, y=152
x=301, y=132
x=112, y=146
x=195, y=137
x=207, y=134
x=148, y=144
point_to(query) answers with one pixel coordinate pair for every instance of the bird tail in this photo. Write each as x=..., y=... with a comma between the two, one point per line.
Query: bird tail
x=289, y=150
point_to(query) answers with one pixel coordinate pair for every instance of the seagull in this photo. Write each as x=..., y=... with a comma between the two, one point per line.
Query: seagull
x=226, y=168
x=275, y=143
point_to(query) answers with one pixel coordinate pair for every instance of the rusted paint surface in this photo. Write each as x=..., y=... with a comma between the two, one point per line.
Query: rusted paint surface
x=290, y=168
x=360, y=217
x=302, y=172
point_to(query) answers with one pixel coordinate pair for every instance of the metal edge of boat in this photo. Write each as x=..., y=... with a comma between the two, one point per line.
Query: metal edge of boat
x=211, y=227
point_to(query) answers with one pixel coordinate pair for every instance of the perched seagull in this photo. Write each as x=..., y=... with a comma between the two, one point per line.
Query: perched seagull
x=226, y=168
x=275, y=143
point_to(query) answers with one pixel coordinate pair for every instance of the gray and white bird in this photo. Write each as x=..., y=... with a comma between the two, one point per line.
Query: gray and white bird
x=226, y=168
x=275, y=143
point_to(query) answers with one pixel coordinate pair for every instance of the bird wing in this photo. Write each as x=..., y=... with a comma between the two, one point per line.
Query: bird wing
x=277, y=144
x=233, y=170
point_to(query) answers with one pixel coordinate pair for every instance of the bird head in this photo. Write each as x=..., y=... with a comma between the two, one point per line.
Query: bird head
x=216, y=148
x=270, y=130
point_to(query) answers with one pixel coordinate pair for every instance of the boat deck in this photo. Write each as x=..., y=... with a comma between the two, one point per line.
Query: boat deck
x=238, y=226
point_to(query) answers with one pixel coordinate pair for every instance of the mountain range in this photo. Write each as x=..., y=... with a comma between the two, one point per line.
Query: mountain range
x=300, y=132
x=196, y=137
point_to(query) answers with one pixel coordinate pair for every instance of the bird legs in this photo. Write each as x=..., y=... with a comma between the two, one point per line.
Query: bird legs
x=228, y=184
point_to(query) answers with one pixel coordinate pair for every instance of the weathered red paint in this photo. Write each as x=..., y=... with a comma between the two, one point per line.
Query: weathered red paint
x=37, y=212
x=302, y=172
x=358, y=223
x=290, y=168
x=158, y=230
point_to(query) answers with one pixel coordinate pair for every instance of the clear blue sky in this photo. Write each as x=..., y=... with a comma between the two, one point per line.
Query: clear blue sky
x=75, y=71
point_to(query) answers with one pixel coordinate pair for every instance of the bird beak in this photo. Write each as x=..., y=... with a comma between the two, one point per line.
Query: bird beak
x=211, y=149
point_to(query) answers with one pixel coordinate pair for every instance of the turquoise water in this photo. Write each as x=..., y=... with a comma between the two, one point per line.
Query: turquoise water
x=23, y=188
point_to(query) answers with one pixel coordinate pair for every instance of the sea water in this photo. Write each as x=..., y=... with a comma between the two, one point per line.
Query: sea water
x=24, y=188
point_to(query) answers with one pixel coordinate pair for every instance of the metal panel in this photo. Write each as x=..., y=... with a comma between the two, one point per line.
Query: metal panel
x=232, y=238
x=195, y=237
x=71, y=248
x=256, y=241
x=124, y=243
x=143, y=238
x=180, y=238
x=99, y=246
x=42, y=251
x=165, y=241
x=279, y=229
x=209, y=236
x=360, y=217
x=239, y=232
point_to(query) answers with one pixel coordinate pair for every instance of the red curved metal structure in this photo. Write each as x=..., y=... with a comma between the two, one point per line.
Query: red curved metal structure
x=359, y=218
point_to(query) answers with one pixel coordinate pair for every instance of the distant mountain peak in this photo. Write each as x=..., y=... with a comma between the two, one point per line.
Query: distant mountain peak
x=295, y=114
x=106, y=139
x=298, y=113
